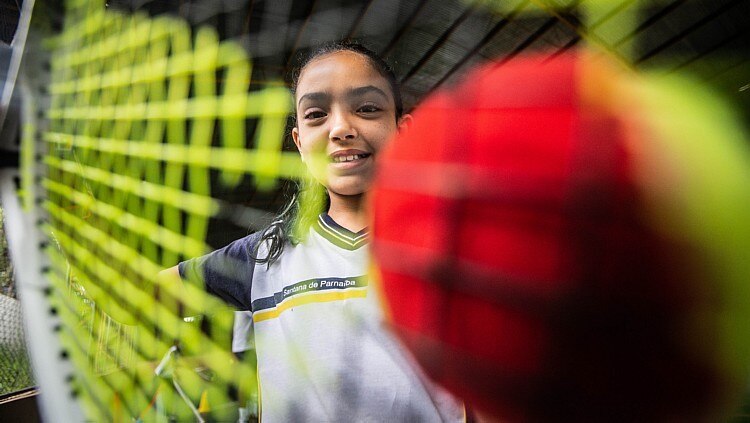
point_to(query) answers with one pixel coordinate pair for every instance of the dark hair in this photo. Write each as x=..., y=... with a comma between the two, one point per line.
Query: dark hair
x=377, y=63
x=292, y=223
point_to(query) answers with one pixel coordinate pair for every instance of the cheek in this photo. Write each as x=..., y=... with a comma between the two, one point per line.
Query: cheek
x=311, y=141
x=312, y=147
x=384, y=135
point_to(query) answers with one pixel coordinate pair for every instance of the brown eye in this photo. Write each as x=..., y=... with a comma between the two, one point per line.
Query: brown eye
x=368, y=108
x=315, y=114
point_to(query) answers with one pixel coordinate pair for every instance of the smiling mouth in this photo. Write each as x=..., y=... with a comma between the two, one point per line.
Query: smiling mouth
x=349, y=158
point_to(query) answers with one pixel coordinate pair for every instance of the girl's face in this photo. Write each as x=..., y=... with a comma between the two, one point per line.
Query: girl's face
x=345, y=115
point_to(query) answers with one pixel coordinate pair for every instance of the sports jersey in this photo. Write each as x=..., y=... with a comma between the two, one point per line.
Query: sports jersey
x=242, y=332
x=324, y=353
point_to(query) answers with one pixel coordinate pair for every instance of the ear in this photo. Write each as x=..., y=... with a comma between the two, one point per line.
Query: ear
x=295, y=137
x=404, y=122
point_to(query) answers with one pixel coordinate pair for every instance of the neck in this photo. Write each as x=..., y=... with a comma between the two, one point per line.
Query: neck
x=349, y=211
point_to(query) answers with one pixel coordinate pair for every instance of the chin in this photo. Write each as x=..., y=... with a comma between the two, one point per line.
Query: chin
x=349, y=189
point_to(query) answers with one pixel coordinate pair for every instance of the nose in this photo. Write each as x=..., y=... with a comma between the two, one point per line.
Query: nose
x=341, y=127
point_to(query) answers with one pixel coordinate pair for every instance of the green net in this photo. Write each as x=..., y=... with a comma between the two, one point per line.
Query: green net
x=144, y=115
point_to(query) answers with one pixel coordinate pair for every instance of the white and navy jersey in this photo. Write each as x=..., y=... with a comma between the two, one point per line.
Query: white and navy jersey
x=242, y=332
x=323, y=351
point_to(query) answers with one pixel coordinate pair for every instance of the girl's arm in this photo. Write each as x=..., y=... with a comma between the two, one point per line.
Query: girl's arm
x=226, y=273
x=171, y=273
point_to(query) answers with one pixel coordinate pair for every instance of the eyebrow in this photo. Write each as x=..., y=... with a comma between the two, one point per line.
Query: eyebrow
x=360, y=91
x=353, y=93
x=315, y=96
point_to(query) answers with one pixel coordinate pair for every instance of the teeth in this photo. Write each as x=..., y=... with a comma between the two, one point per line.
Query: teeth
x=343, y=159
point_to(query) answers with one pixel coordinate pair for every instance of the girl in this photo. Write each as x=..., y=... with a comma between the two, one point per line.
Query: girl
x=323, y=351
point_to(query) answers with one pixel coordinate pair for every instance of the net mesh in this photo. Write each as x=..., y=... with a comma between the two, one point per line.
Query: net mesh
x=15, y=369
x=144, y=114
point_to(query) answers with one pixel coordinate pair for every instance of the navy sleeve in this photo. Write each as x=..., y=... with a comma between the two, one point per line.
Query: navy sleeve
x=227, y=272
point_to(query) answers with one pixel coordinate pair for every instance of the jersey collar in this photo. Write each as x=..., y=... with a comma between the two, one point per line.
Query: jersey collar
x=339, y=235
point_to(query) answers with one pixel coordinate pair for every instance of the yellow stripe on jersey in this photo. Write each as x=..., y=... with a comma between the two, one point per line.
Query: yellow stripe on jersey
x=309, y=298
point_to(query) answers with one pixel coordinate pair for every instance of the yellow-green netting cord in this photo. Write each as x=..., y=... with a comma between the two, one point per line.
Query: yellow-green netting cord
x=138, y=125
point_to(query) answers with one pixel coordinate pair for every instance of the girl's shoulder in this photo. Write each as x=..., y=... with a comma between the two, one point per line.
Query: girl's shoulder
x=242, y=248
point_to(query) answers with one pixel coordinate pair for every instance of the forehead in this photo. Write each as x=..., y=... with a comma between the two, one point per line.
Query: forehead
x=340, y=70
